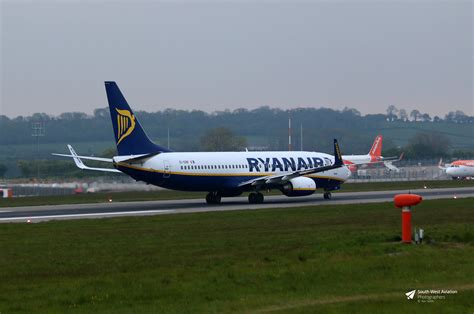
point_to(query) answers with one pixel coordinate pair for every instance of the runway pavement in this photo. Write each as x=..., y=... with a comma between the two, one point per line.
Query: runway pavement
x=103, y=210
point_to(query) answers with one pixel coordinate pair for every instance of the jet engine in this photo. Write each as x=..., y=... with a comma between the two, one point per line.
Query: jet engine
x=300, y=186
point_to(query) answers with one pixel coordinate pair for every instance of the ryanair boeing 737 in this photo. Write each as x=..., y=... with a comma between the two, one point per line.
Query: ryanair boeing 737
x=222, y=174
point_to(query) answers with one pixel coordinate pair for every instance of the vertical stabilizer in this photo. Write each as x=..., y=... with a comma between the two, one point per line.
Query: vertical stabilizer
x=376, y=150
x=129, y=134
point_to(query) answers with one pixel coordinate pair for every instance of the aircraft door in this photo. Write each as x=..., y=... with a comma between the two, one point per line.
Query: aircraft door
x=167, y=169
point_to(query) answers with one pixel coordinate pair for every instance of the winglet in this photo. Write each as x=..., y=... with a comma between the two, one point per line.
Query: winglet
x=337, y=155
x=81, y=165
x=440, y=164
x=77, y=160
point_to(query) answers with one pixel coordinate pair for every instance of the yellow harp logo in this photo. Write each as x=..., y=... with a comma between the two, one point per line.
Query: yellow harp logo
x=125, y=124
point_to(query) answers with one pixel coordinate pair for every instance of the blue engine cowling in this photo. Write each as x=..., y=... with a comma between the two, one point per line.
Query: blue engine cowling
x=300, y=186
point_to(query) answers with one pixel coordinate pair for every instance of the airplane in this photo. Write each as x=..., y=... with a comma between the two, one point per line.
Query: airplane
x=374, y=156
x=221, y=174
x=459, y=169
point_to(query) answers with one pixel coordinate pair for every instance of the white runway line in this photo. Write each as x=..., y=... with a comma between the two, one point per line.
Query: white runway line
x=87, y=215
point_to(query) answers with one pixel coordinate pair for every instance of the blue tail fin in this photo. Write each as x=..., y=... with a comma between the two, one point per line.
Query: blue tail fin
x=129, y=135
x=337, y=155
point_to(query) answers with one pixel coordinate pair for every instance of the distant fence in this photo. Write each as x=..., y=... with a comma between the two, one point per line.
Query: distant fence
x=411, y=173
x=19, y=190
x=378, y=173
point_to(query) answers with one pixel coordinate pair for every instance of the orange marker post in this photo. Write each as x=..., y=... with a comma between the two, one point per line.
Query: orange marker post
x=405, y=202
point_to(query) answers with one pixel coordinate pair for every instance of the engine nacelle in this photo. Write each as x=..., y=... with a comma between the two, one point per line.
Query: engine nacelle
x=300, y=186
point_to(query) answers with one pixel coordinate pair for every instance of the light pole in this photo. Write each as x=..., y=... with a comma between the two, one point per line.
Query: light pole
x=37, y=130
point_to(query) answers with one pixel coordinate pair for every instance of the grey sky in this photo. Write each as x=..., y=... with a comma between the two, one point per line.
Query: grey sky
x=213, y=56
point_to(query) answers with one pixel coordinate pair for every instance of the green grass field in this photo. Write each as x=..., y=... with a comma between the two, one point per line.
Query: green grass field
x=103, y=197
x=318, y=259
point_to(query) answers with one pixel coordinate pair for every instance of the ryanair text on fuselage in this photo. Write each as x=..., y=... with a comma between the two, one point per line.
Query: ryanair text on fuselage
x=286, y=164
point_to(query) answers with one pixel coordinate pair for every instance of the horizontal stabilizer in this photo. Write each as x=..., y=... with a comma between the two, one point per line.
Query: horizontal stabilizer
x=85, y=157
x=81, y=165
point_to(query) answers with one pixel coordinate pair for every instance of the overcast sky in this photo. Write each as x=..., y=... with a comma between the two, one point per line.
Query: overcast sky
x=224, y=55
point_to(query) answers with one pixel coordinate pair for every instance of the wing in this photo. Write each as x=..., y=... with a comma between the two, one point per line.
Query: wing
x=81, y=165
x=390, y=166
x=284, y=177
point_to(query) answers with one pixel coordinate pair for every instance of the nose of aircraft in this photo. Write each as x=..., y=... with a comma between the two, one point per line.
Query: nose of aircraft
x=346, y=173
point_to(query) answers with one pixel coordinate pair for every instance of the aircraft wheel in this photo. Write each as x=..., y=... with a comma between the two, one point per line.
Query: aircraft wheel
x=252, y=197
x=209, y=198
x=213, y=198
x=259, y=198
x=255, y=198
x=327, y=195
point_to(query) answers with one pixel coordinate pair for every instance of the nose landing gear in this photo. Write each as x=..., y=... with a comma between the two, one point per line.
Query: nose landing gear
x=327, y=195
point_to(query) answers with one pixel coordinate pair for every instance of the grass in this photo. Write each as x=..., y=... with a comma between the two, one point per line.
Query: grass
x=408, y=185
x=102, y=197
x=343, y=258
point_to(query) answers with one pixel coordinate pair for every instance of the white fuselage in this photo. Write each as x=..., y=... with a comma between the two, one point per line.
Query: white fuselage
x=208, y=171
x=460, y=171
x=357, y=159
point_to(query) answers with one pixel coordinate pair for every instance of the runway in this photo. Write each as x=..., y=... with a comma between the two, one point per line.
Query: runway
x=104, y=210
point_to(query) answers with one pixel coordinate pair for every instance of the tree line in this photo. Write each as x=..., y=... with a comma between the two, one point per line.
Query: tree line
x=417, y=134
x=263, y=121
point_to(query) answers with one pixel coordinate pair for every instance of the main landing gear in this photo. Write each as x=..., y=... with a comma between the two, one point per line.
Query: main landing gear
x=213, y=198
x=327, y=195
x=255, y=198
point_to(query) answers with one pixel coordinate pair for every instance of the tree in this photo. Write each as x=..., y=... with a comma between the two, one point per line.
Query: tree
x=425, y=117
x=457, y=117
x=415, y=114
x=403, y=115
x=101, y=113
x=222, y=139
x=391, y=113
x=3, y=170
x=351, y=111
x=428, y=145
x=109, y=152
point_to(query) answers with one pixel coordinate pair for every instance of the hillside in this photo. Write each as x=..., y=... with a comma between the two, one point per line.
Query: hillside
x=263, y=128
